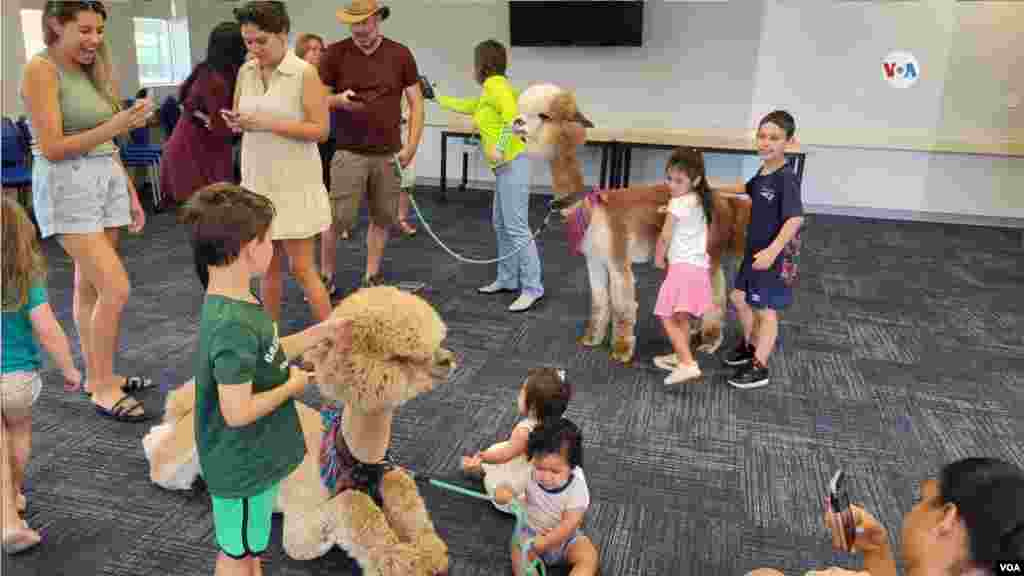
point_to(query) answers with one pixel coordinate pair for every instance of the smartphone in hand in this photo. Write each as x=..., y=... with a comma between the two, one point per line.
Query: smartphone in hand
x=844, y=525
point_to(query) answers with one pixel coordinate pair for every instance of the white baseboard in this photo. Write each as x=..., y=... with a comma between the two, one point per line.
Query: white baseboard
x=916, y=216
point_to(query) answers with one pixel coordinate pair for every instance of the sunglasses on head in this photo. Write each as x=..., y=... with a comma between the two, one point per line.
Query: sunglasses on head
x=94, y=5
x=252, y=9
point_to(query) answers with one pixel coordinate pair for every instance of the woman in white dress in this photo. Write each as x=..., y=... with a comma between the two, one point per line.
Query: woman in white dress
x=281, y=107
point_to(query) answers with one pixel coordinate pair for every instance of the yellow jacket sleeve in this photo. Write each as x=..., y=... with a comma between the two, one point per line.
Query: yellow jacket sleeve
x=460, y=105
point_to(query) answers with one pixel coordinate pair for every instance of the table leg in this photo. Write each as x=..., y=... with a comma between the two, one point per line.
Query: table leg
x=465, y=171
x=604, y=167
x=627, y=159
x=444, y=167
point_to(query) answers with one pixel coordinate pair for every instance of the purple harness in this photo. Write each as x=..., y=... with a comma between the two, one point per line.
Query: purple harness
x=579, y=221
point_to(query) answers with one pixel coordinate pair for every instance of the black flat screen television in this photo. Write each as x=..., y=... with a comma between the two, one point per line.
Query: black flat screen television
x=576, y=22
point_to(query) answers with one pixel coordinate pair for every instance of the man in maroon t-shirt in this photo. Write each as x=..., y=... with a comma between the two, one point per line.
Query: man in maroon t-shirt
x=366, y=75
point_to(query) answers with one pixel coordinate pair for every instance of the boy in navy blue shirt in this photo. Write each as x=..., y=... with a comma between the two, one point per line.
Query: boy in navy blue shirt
x=776, y=214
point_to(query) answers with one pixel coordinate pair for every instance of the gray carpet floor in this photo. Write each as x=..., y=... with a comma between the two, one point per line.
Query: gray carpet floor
x=903, y=351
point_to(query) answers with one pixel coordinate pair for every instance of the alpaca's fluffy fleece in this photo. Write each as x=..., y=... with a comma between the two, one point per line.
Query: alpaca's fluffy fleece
x=396, y=345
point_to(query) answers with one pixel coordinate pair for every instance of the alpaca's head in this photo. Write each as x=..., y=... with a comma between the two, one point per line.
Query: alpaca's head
x=547, y=113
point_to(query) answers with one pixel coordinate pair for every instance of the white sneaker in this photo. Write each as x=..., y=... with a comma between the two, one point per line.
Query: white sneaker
x=682, y=373
x=523, y=303
x=492, y=288
x=667, y=362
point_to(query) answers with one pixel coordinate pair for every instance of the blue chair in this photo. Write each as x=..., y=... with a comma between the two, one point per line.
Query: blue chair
x=16, y=171
x=137, y=152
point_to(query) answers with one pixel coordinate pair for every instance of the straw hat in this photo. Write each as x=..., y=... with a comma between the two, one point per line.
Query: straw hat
x=358, y=10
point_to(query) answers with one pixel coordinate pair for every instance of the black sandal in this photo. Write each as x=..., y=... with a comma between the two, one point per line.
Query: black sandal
x=120, y=413
x=131, y=384
x=136, y=383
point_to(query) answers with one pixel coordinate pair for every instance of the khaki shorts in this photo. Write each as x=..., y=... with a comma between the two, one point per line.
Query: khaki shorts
x=352, y=176
x=18, y=392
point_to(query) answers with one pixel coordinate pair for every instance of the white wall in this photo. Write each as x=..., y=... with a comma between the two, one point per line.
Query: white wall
x=723, y=65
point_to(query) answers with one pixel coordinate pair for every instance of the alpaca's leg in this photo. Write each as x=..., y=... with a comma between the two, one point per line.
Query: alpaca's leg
x=361, y=528
x=302, y=499
x=624, y=306
x=711, y=325
x=597, y=324
x=408, y=516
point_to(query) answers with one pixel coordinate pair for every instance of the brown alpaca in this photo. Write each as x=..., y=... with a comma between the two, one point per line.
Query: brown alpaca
x=616, y=228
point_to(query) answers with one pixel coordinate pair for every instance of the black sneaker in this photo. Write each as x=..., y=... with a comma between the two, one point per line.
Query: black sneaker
x=741, y=356
x=752, y=375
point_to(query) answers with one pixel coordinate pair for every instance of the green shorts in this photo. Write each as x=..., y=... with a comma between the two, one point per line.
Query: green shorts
x=242, y=525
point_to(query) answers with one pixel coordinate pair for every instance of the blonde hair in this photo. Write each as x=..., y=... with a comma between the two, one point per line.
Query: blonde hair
x=23, y=261
x=302, y=43
x=100, y=72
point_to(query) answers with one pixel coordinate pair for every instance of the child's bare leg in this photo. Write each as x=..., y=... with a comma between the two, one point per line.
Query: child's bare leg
x=19, y=432
x=767, y=334
x=744, y=312
x=228, y=566
x=15, y=532
x=582, y=556
x=257, y=567
x=678, y=330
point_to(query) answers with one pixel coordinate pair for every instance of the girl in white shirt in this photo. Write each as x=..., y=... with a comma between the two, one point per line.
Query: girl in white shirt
x=686, y=290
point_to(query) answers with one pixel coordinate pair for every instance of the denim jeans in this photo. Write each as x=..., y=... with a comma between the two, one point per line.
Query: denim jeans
x=511, y=221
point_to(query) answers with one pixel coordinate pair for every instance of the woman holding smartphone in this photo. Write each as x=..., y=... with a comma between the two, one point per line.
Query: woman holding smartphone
x=81, y=193
x=281, y=109
x=967, y=522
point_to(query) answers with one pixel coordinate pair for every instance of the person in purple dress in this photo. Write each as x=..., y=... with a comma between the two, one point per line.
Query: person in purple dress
x=199, y=150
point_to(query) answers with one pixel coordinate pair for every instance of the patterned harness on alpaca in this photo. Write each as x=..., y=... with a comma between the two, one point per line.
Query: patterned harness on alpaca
x=339, y=469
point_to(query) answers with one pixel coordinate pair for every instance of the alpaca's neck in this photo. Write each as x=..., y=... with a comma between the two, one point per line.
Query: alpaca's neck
x=367, y=435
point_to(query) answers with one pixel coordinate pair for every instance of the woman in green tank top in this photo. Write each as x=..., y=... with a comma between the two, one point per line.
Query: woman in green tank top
x=81, y=191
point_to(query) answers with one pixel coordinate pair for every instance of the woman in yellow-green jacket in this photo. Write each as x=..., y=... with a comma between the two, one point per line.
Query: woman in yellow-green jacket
x=493, y=113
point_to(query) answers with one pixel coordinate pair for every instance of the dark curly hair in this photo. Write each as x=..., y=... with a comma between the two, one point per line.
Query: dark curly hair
x=560, y=437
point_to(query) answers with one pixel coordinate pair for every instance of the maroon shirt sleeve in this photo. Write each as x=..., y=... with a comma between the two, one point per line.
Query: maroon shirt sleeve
x=409, y=73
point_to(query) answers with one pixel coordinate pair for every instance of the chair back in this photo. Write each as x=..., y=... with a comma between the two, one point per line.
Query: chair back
x=14, y=149
x=170, y=111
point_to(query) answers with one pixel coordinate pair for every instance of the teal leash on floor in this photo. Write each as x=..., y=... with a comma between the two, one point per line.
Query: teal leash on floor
x=535, y=568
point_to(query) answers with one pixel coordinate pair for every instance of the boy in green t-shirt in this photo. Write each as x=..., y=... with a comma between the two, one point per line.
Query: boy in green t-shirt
x=247, y=428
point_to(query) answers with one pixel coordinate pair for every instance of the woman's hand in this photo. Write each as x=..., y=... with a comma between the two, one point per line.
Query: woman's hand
x=135, y=117
x=254, y=121
x=870, y=534
x=405, y=156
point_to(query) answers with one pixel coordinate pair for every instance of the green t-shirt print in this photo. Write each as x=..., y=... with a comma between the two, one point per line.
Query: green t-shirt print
x=238, y=343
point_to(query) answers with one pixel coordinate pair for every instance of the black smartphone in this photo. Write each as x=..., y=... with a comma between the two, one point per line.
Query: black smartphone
x=426, y=88
x=844, y=525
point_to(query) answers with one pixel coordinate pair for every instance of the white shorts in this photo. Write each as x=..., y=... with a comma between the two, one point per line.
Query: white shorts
x=79, y=195
x=18, y=392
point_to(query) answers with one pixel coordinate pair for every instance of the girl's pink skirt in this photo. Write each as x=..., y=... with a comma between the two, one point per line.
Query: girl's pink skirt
x=686, y=288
